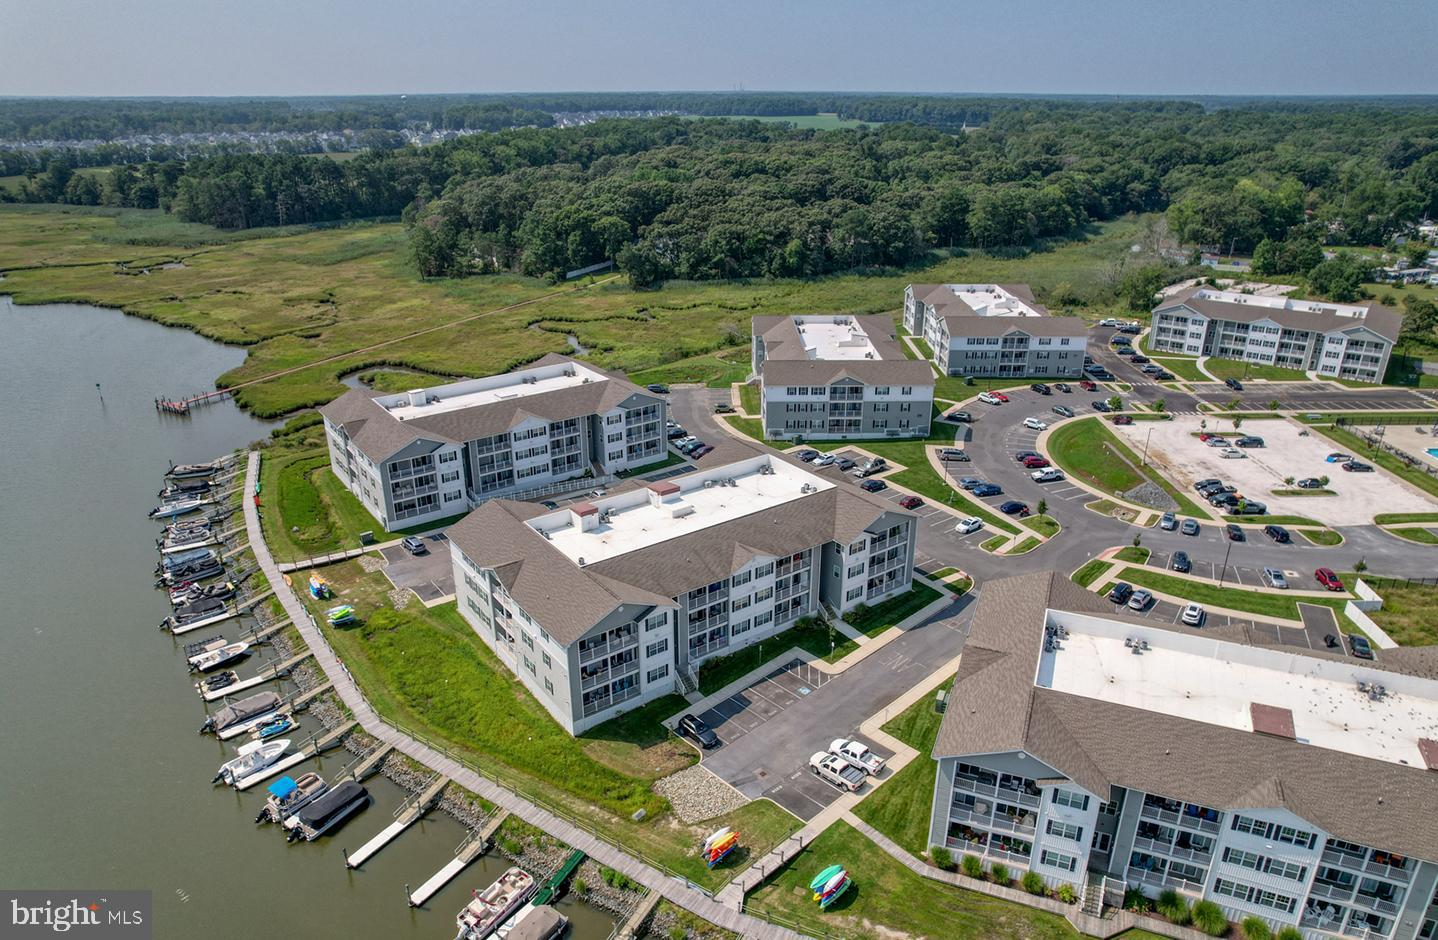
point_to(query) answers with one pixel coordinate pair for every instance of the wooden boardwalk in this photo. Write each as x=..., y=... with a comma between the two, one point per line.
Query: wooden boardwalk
x=677, y=892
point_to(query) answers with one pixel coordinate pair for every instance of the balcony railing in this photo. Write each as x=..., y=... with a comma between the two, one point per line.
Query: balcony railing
x=608, y=675
x=1162, y=815
x=1332, y=892
x=792, y=590
x=608, y=647
x=1172, y=851
x=1197, y=823
x=974, y=785
x=1005, y=823
x=1161, y=880
x=1372, y=903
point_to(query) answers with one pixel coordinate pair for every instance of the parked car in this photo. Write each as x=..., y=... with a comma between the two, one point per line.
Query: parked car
x=953, y=453
x=549, y=504
x=1189, y=527
x=1249, y=507
x=1213, y=440
x=844, y=464
x=959, y=417
x=1192, y=615
x=911, y=502
x=1062, y=387
x=1087, y=386
x=1223, y=499
x=1140, y=599
x=1122, y=419
x=1022, y=455
x=658, y=389
x=1151, y=369
x=1358, y=466
x=824, y=460
x=1338, y=458
x=1248, y=440
x=1274, y=578
x=1131, y=328
x=1063, y=411
x=1121, y=593
x=1041, y=388
x=1234, y=384
x=970, y=483
x=723, y=408
x=1180, y=563
x=676, y=433
x=1108, y=321
x=1034, y=424
x=969, y=524
x=1138, y=359
x=1121, y=341
x=1278, y=533
x=1232, y=453
x=1046, y=475
x=1328, y=579
x=1035, y=463
x=857, y=754
x=806, y=454
x=873, y=486
x=837, y=771
x=1163, y=375
x=694, y=727
x=701, y=450
x=1205, y=483
x=1100, y=406
x=1360, y=646
x=1000, y=396
x=1310, y=483
x=1168, y=522
x=415, y=545
x=1234, y=532
x=1014, y=508
x=1330, y=641
x=988, y=398
x=988, y=489
x=1216, y=487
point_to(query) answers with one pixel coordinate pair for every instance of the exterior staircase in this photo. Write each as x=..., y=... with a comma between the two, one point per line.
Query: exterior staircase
x=1093, y=897
x=688, y=685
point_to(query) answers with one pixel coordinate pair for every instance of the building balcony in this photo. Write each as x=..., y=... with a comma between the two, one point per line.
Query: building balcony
x=1161, y=880
x=974, y=785
x=1197, y=823
x=607, y=675
x=1155, y=846
x=1161, y=815
x=1367, y=866
x=1331, y=892
x=1379, y=905
x=792, y=590
x=607, y=648
x=1021, y=825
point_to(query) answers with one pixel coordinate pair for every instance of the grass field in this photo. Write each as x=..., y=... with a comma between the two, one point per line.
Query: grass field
x=298, y=295
x=901, y=808
x=753, y=427
x=1025, y=546
x=1244, y=371
x=1134, y=553
x=1321, y=536
x=889, y=900
x=1407, y=614
x=1202, y=592
x=750, y=398
x=1398, y=518
x=1274, y=520
x=426, y=670
x=872, y=621
x=1090, y=571
x=1421, y=536
x=823, y=121
x=1186, y=369
x=1090, y=451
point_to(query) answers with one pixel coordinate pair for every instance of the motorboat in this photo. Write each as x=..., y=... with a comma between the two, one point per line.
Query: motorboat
x=179, y=507
x=494, y=905
x=326, y=812
x=184, y=471
x=288, y=795
x=179, y=559
x=214, y=659
x=341, y=615
x=241, y=716
x=203, y=613
x=189, y=592
x=175, y=543
x=252, y=758
x=217, y=681
x=184, y=488
x=202, y=606
x=533, y=922
x=204, y=646
x=273, y=727
x=193, y=571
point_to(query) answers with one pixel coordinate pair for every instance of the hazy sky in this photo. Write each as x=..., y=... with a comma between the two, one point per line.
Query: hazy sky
x=272, y=47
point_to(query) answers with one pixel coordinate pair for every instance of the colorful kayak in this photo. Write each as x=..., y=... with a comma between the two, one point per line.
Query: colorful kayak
x=823, y=877
x=836, y=894
x=342, y=614
x=832, y=885
x=319, y=587
x=717, y=836
x=721, y=849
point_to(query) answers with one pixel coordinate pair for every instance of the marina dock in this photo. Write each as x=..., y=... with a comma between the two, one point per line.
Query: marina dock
x=261, y=633
x=468, y=851
x=629, y=930
x=309, y=749
x=305, y=698
x=228, y=613
x=370, y=762
x=268, y=674
x=409, y=813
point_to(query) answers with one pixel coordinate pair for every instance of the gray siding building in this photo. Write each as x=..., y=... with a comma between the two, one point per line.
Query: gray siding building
x=427, y=454
x=994, y=330
x=1110, y=751
x=835, y=377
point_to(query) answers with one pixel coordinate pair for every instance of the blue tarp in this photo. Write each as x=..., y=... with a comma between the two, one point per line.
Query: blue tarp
x=283, y=787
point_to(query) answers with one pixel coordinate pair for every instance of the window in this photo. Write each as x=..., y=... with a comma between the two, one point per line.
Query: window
x=1058, y=860
x=764, y=619
x=453, y=496
x=654, y=675
x=528, y=640
x=739, y=603
x=529, y=664
x=763, y=594
x=907, y=390
x=764, y=570
x=1064, y=830
x=449, y=476
x=549, y=686
x=1102, y=842
x=854, y=595
x=548, y=663
x=1108, y=808
x=449, y=456
x=654, y=649
x=1070, y=799
x=856, y=570
x=740, y=627
x=742, y=578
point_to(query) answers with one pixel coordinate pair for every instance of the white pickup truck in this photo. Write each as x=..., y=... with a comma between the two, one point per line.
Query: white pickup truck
x=836, y=770
x=857, y=754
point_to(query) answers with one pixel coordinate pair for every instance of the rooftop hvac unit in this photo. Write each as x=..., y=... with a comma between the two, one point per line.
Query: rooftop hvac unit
x=708, y=484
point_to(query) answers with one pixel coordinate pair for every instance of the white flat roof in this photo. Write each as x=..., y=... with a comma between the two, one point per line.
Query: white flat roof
x=1275, y=302
x=1194, y=677
x=991, y=300
x=474, y=393
x=834, y=338
x=643, y=517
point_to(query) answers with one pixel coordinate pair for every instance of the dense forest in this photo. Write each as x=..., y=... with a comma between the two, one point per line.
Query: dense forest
x=690, y=198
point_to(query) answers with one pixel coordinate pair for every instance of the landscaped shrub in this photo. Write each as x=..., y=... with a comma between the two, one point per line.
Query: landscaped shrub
x=1174, y=906
x=678, y=933
x=1032, y=883
x=1290, y=933
x=942, y=857
x=1068, y=894
x=1136, y=901
x=1000, y=873
x=1256, y=928
x=1208, y=917
x=972, y=867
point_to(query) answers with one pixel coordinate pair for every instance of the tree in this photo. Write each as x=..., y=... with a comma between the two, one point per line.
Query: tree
x=1160, y=405
x=1115, y=403
x=1420, y=320
x=1138, y=287
x=1339, y=278
x=1043, y=506
x=1237, y=422
x=1416, y=253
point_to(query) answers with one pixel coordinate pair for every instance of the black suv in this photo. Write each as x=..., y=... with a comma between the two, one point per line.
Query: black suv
x=1180, y=563
x=694, y=727
x=1041, y=388
x=1234, y=384
x=1278, y=533
x=1121, y=593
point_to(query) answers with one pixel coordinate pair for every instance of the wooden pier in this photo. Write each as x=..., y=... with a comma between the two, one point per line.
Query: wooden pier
x=260, y=634
x=629, y=930
x=270, y=673
x=469, y=850
x=182, y=406
x=368, y=764
x=409, y=813
x=309, y=749
x=306, y=697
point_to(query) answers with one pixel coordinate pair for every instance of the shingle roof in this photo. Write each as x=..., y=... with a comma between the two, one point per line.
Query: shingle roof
x=1385, y=321
x=372, y=429
x=995, y=707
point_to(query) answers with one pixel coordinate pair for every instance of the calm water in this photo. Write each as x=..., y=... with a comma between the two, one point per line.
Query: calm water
x=104, y=783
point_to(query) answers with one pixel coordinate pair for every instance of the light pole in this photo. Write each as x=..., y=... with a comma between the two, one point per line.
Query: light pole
x=1146, y=437
x=1224, y=573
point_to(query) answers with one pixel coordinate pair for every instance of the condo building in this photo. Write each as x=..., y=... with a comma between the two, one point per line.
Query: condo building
x=1112, y=751
x=994, y=330
x=601, y=606
x=431, y=453
x=834, y=377
x=1345, y=341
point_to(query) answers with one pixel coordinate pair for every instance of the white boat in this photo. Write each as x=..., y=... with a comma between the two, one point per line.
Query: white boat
x=254, y=756
x=180, y=625
x=289, y=795
x=191, y=470
x=187, y=541
x=326, y=812
x=214, y=659
x=188, y=556
x=238, y=717
x=494, y=905
x=178, y=508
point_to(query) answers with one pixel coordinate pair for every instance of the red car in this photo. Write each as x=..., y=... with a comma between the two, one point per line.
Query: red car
x=1000, y=396
x=1035, y=463
x=1088, y=386
x=1328, y=579
x=1122, y=419
x=911, y=502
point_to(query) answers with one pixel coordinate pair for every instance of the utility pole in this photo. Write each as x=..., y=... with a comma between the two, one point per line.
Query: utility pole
x=1224, y=573
x=1146, y=438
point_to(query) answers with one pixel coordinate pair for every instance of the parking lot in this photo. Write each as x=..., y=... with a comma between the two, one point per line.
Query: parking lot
x=1310, y=396
x=430, y=576
x=1289, y=450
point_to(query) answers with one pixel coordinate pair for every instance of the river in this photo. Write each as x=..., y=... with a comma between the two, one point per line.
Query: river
x=104, y=783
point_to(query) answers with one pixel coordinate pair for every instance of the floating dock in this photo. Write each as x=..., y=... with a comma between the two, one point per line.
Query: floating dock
x=554, y=882
x=269, y=674
x=305, y=698
x=310, y=749
x=229, y=613
x=629, y=930
x=468, y=851
x=409, y=813
x=370, y=762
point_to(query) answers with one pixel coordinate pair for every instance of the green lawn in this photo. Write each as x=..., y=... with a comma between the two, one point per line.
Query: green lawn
x=872, y=621
x=1090, y=571
x=1369, y=417
x=750, y=399
x=668, y=460
x=1297, y=492
x=716, y=370
x=926, y=352
x=1186, y=369
x=1088, y=450
x=1244, y=371
x=719, y=671
x=1274, y=520
x=1136, y=554
x=888, y=899
x=1025, y=546
x=1398, y=518
x=1422, y=536
x=901, y=808
x=1320, y=536
x=1407, y=614
x=1202, y=592
x=1044, y=525
x=754, y=427
x=1355, y=445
